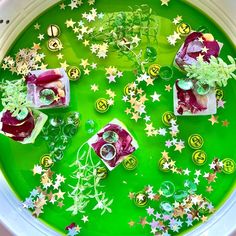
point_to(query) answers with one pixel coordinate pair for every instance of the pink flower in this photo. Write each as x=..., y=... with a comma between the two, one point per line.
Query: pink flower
x=196, y=44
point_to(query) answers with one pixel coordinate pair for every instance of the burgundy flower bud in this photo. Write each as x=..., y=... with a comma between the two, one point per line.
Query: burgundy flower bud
x=71, y=226
x=17, y=129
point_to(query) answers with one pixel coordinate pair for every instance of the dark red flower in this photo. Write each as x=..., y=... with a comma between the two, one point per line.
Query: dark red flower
x=17, y=129
x=71, y=226
x=123, y=146
x=44, y=78
x=187, y=101
x=193, y=47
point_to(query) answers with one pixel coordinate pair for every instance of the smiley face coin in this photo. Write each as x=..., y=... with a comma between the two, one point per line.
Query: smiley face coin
x=74, y=73
x=167, y=117
x=141, y=199
x=46, y=161
x=183, y=29
x=199, y=157
x=130, y=162
x=53, y=30
x=154, y=70
x=219, y=94
x=54, y=44
x=195, y=141
x=229, y=166
x=102, y=105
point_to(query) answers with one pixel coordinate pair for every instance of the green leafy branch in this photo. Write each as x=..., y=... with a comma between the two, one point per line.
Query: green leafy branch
x=215, y=72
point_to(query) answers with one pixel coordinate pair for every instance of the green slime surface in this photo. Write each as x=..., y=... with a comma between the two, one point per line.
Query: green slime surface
x=17, y=160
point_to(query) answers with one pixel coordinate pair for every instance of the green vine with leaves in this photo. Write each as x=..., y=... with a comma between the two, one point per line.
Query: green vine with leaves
x=87, y=185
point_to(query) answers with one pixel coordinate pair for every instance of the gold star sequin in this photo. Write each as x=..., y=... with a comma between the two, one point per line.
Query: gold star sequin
x=225, y=123
x=214, y=119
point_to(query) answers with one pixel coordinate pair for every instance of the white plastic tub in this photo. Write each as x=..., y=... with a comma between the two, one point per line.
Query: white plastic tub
x=20, y=13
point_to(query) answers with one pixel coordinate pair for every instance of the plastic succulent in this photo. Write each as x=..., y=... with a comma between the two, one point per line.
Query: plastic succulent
x=14, y=96
x=215, y=72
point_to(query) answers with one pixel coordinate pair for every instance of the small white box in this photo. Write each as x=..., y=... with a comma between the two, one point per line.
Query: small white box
x=116, y=152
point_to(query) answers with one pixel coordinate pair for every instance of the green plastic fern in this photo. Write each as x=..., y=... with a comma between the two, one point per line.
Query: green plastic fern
x=14, y=96
x=215, y=72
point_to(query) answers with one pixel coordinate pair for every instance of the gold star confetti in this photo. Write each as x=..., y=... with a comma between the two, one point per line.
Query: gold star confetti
x=60, y=204
x=84, y=63
x=214, y=119
x=131, y=195
x=225, y=123
x=165, y=155
x=62, y=6
x=70, y=23
x=204, y=218
x=36, y=46
x=37, y=26
x=85, y=219
x=91, y=2
x=205, y=49
x=37, y=170
x=201, y=39
x=60, y=56
x=41, y=37
x=131, y=223
x=86, y=43
x=179, y=147
x=60, y=194
x=143, y=221
x=209, y=189
x=168, y=88
x=64, y=65
x=110, y=102
x=86, y=71
x=164, y=2
x=135, y=117
x=177, y=20
x=73, y=5
x=149, y=81
x=94, y=87
x=211, y=178
x=155, y=97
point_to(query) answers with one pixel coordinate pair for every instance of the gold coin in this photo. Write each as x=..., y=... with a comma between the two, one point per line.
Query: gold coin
x=199, y=157
x=53, y=30
x=46, y=161
x=130, y=162
x=167, y=117
x=74, y=73
x=141, y=199
x=154, y=70
x=219, y=94
x=195, y=141
x=101, y=172
x=183, y=29
x=127, y=89
x=54, y=44
x=162, y=161
x=229, y=166
x=102, y=105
